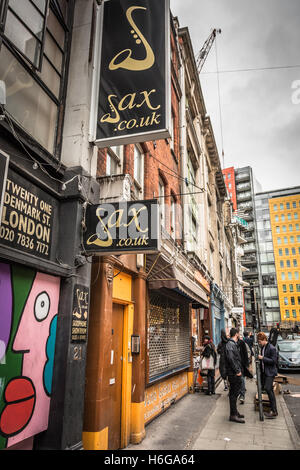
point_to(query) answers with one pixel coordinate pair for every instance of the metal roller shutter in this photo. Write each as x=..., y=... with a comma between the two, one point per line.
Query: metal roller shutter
x=169, y=336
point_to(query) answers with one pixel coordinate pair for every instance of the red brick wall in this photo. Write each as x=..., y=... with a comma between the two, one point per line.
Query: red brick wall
x=231, y=179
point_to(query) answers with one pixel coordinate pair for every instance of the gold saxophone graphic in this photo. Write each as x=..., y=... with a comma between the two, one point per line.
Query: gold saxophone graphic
x=133, y=64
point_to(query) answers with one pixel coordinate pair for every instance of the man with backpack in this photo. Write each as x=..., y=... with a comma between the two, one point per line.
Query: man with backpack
x=268, y=358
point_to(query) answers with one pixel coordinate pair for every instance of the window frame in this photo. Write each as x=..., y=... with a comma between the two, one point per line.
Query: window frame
x=59, y=101
x=4, y=11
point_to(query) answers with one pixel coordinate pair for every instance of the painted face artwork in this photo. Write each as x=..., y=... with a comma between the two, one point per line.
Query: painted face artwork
x=26, y=382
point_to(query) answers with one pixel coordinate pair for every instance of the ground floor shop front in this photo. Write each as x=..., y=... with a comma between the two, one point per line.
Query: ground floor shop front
x=139, y=359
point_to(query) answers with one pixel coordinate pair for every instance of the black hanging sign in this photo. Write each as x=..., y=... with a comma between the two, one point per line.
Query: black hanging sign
x=122, y=227
x=134, y=92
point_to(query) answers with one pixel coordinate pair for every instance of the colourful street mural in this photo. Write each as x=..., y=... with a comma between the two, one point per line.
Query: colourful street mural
x=28, y=318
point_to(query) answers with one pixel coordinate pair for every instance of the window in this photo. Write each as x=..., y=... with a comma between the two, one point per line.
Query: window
x=138, y=172
x=284, y=228
x=294, y=313
x=295, y=263
x=290, y=276
x=291, y=287
x=173, y=217
x=289, y=216
x=275, y=207
x=283, y=276
x=284, y=287
x=281, y=264
x=172, y=132
x=293, y=251
x=276, y=218
x=281, y=207
x=298, y=299
x=285, y=240
x=113, y=160
x=278, y=241
x=229, y=176
x=280, y=251
x=288, y=263
x=25, y=29
x=286, y=301
x=296, y=215
x=298, y=238
x=277, y=229
x=161, y=193
x=294, y=204
x=282, y=217
x=36, y=51
x=293, y=300
x=298, y=287
x=296, y=275
x=288, y=205
x=297, y=227
x=287, y=314
x=287, y=251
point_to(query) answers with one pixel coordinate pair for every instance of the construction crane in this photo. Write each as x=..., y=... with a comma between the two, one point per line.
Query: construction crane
x=202, y=55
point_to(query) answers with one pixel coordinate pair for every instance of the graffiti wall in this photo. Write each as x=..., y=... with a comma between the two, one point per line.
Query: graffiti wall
x=28, y=318
x=159, y=397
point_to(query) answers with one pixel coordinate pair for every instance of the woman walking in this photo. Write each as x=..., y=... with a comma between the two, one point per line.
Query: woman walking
x=208, y=362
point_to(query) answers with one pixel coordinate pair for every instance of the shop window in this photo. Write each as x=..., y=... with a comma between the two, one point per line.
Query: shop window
x=33, y=55
x=169, y=336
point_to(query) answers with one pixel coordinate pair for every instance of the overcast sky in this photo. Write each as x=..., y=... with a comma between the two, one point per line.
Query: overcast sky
x=260, y=114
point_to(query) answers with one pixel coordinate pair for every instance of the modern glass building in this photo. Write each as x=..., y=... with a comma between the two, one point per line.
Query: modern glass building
x=246, y=186
x=278, y=228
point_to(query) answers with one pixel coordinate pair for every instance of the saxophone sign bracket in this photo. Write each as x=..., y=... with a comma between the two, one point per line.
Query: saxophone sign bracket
x=134, y=89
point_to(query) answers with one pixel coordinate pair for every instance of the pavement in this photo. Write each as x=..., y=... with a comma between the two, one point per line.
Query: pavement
x=271, y=434
x=200, y=422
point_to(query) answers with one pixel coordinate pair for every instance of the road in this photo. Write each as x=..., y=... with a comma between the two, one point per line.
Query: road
x=292, y=399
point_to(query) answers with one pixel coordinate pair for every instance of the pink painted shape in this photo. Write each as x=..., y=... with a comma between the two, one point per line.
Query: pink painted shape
x=32, y=337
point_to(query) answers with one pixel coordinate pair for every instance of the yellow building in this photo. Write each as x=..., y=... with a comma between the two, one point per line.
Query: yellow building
x=285, y=225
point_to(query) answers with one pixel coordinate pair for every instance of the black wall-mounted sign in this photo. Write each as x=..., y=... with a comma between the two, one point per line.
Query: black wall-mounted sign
x=28, y=217
x=123, y=227
x=134, y=92
x=80, y=314
x=4, y=162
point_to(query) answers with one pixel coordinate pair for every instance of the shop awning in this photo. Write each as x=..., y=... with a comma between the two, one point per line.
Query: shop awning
x=163, y=273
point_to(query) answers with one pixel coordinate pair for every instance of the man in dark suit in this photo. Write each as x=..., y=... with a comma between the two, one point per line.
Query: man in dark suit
x=234, y=372
x=268, y=358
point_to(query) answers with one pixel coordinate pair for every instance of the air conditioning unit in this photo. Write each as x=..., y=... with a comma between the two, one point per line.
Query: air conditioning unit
x=115, y=188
